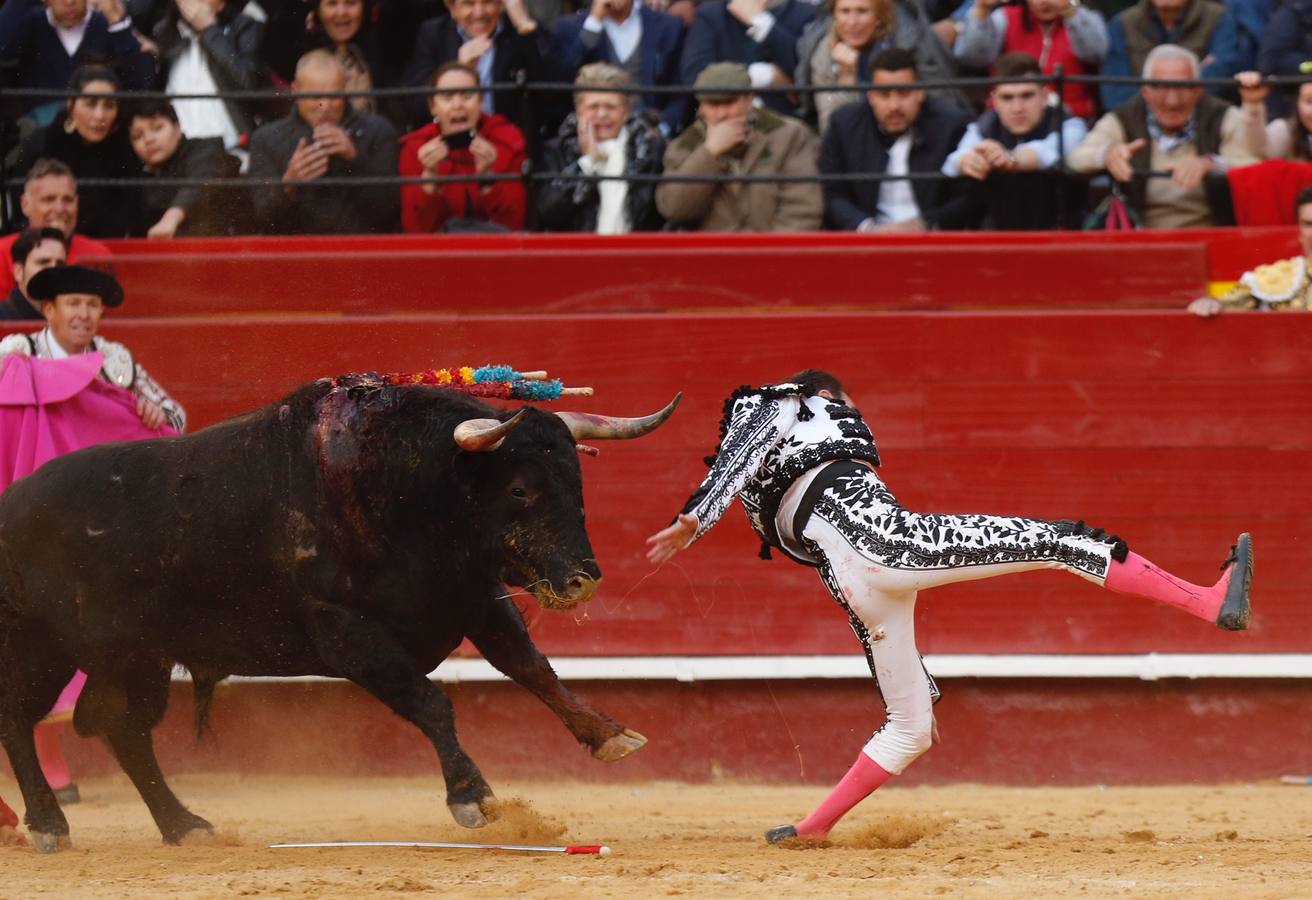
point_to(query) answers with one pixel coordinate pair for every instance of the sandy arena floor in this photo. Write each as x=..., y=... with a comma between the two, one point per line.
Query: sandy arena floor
x=669, y=839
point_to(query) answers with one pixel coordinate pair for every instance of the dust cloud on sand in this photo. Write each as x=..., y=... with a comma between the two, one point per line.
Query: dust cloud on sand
x=1236, y=841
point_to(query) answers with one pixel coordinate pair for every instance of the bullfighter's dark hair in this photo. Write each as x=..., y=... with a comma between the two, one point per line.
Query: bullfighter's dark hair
x=1303, y=199
x=28, y=239
x=816, y=380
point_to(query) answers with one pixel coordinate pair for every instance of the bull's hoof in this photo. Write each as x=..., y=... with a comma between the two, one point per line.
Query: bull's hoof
x=468, y=815
x=620, y=746
x=199, y=837
x=193, y=831
x=50, y=843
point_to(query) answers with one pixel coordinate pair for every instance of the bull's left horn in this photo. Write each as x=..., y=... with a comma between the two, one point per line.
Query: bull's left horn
x=589, y=427
x=481, y=435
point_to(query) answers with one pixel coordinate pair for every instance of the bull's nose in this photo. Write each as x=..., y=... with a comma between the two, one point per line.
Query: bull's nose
x=581, y=586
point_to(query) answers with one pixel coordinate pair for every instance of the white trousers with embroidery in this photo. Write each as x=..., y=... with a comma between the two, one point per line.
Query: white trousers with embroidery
x=875, y=556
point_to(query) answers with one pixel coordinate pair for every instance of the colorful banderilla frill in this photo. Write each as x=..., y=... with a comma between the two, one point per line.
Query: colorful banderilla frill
x=499, y=382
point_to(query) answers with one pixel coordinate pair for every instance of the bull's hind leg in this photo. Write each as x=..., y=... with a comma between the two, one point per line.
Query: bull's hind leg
x=124, y=709
x=501, y=636
x=366, y=653
x=33, y=672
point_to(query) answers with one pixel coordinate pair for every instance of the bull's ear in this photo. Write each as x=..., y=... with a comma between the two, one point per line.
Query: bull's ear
x=482, y=435
x=586, y=426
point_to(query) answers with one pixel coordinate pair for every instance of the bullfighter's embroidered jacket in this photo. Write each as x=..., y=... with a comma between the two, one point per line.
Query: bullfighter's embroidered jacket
x=119, y=369
x=1283, y=285
x=769, y=437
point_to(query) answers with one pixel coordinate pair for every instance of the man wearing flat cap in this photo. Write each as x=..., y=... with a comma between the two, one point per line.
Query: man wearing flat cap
x=733, y=137
x=72, y=299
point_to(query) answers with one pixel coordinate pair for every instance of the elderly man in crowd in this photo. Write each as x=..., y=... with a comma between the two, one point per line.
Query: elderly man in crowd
x=1282, y=285
x=46, y=41
x=1012, y=149
x=602, y=137
x=1205, y=27
x=1176, y=129
x=320, y=140
x=896, y=131
x=49, y=200
x=731, y=137
x=35, y=250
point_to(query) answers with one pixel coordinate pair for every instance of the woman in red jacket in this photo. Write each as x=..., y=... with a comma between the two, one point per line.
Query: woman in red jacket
x=462, y=141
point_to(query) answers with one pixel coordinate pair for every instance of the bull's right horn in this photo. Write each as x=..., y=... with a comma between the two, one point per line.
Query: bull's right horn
x=586, y=426
x=482, y=435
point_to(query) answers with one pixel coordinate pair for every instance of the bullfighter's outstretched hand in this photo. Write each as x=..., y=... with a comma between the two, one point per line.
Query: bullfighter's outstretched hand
x=662, y=545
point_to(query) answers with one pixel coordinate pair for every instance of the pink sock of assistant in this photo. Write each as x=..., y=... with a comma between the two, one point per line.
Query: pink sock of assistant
x=50, y=753
x=859, y=783
x=1140, y=578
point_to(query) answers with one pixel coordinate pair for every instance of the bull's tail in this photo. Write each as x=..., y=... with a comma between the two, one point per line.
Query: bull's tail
x=203, y=687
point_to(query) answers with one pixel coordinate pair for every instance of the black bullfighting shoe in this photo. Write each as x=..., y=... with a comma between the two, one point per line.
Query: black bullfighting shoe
x=1236, y=612
x=780, y=834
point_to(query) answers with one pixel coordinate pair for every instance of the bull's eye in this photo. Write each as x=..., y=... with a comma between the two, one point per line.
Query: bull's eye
x=519, y=493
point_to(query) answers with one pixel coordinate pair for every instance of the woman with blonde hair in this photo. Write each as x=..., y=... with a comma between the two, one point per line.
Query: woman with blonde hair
x=837, y=48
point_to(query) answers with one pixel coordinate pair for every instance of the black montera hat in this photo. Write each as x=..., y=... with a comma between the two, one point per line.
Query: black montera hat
x=50, y=283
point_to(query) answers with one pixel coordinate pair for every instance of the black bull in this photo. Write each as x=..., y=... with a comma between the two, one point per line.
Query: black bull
x=353, y=529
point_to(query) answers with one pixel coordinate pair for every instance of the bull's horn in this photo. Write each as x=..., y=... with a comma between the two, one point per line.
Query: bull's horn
x=589, y=427
x=480, y=435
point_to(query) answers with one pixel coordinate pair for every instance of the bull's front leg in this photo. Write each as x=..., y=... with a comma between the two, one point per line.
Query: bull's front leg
x=499, y=633
x=366, y=653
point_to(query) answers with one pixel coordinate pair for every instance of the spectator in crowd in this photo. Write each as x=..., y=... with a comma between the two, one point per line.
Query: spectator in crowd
x=631, y=35
x=49, y=200
x=33, y=250
x=760, y=34
x=1282, y=285
x=602, y=137
x=1287, y=40
x=343, y=28
x=1176, y=129
x=732, y=137
x=207, y=46
x=92, y=141
x=461, y=140
x=500, y=40
x=166, y=153
x=1289, y=137
x=323, y=139
x=46, y=42
x=1204, y=27
x=895, y=131
x=1055, y=32
x=836, y=49
x=1013, y=147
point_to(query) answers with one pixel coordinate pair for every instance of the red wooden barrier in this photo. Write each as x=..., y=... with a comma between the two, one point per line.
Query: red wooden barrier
x=1173, y=431
x=571, y=274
